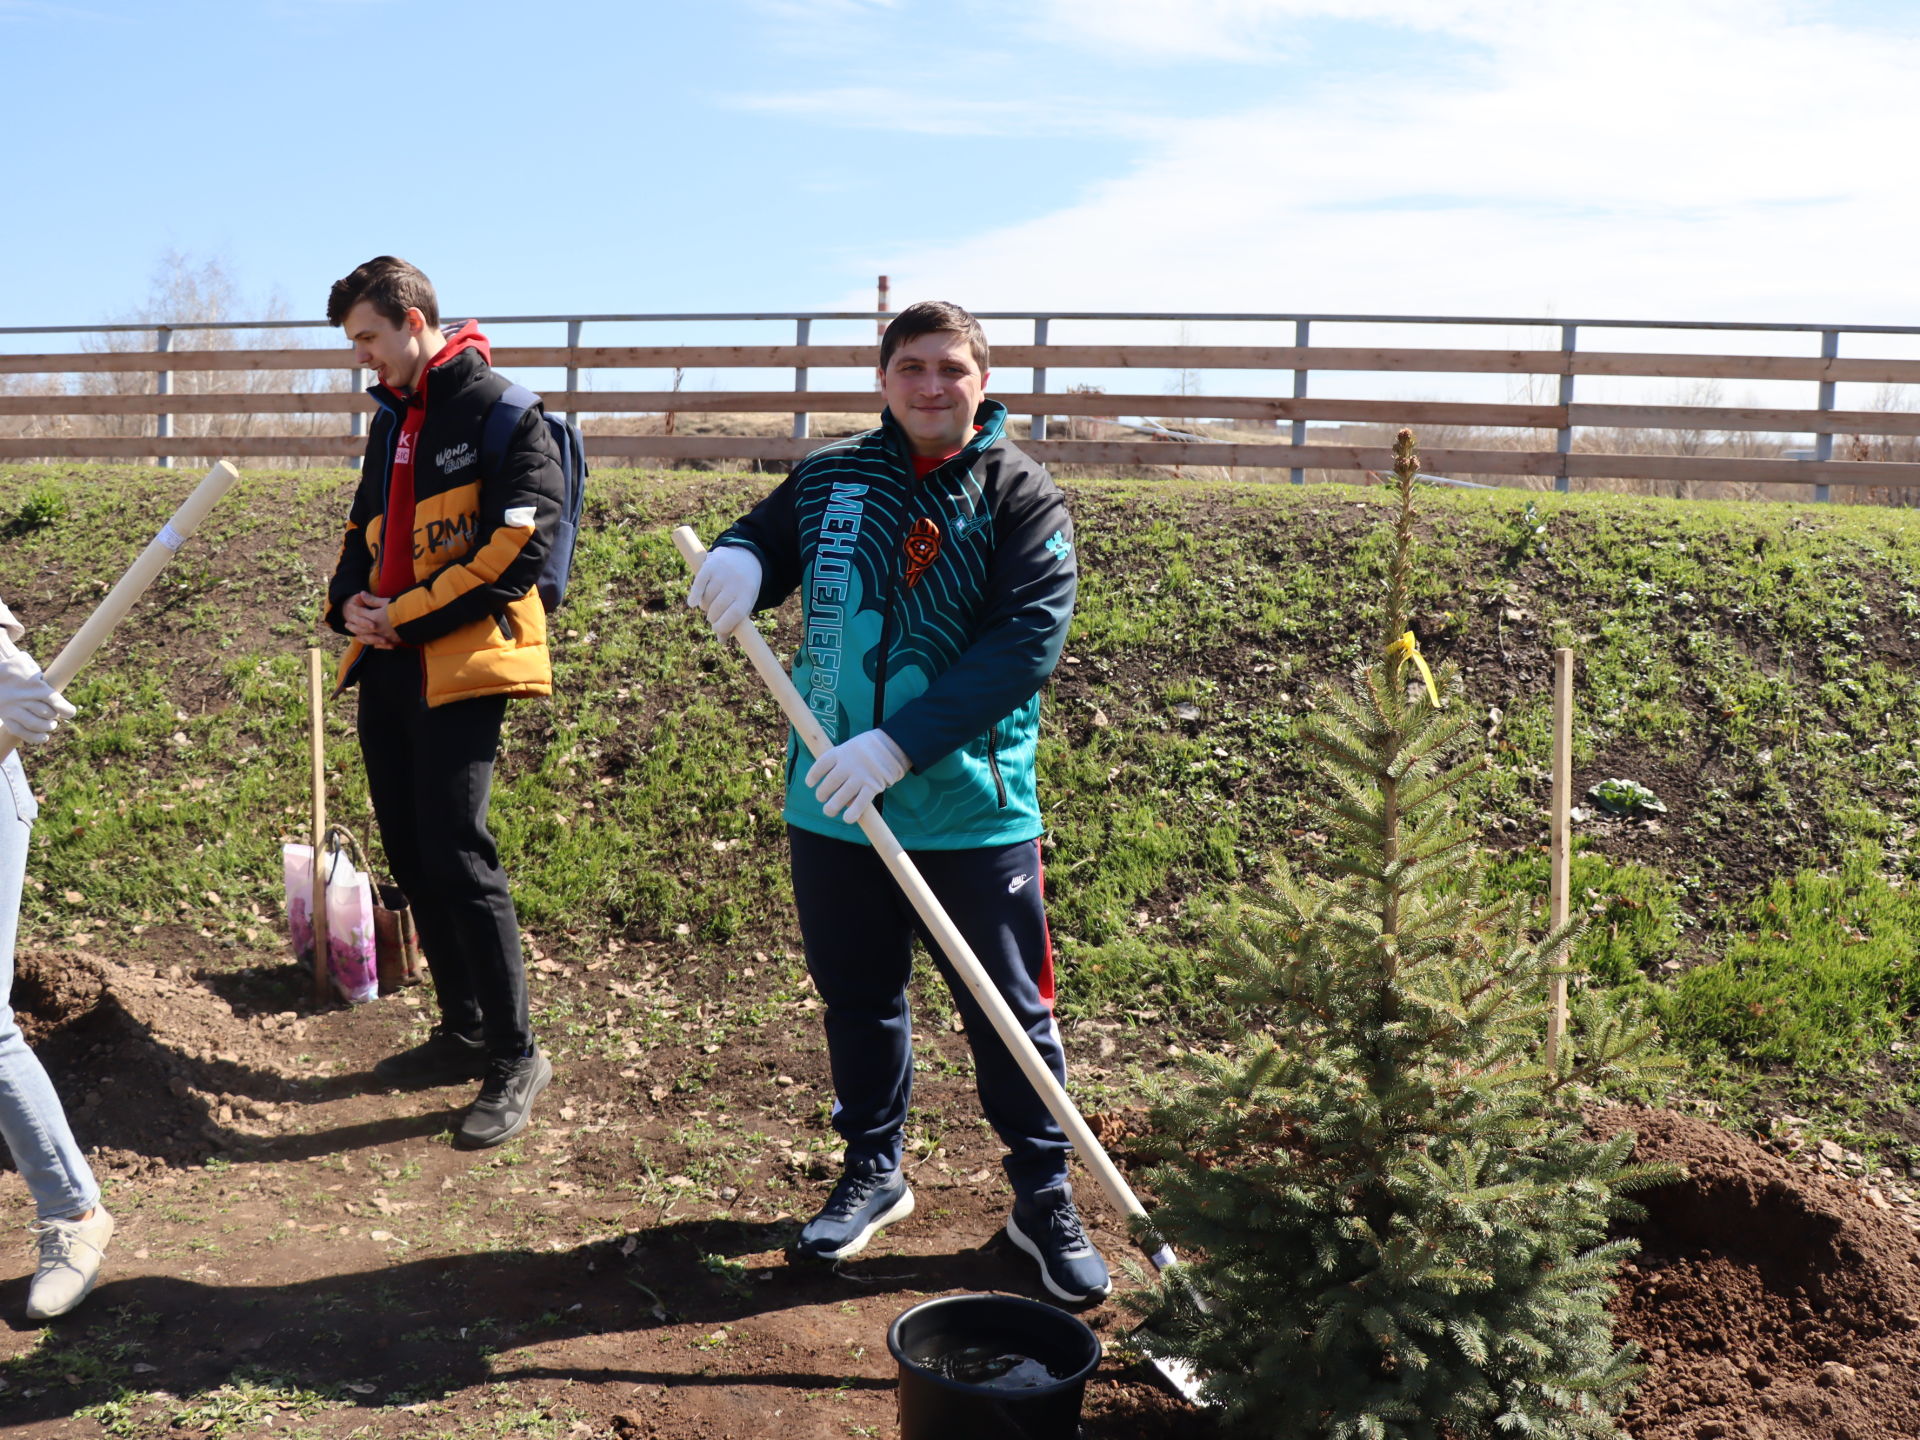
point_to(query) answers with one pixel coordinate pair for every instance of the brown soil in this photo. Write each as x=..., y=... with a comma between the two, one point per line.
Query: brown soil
x=619, y=1272
x=1773, y=1303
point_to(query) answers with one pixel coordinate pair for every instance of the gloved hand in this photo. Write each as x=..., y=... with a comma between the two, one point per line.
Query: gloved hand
x=854, y=773
x=29, y=707
x=726, y=587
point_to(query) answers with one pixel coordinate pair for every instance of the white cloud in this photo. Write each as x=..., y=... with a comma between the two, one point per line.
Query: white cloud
x=937, y=112
x=1686, y=159
x=1232, y=30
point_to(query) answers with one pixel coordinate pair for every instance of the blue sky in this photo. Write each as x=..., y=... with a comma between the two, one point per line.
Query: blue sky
x=1679, y=159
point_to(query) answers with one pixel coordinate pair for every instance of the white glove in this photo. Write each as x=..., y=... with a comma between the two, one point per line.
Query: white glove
x=726, y=587
x=854, y=773
x=29, y=706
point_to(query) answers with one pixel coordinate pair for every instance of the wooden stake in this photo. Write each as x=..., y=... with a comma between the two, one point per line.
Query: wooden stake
x=1560, y=841
x=316, y=738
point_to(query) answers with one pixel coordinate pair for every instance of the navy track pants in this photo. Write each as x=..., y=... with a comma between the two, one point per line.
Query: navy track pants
x=859, y=927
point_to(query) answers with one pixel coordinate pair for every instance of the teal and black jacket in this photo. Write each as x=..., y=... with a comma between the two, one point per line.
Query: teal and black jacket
x=933, y=607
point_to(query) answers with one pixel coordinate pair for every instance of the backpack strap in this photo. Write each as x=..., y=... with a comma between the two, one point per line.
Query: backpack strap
x=503, y=416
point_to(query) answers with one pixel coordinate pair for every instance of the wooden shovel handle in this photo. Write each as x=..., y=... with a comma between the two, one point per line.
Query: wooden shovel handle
x=150, y=562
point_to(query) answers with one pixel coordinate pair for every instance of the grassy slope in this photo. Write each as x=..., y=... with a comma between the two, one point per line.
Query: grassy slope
x=1753, y=664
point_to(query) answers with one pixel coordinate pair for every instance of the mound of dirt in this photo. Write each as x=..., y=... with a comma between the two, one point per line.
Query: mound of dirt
x=157, y=1069
x=1773, y=1303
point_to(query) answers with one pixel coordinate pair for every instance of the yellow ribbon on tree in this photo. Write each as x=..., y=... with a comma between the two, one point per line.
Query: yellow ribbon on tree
x=1407, y=647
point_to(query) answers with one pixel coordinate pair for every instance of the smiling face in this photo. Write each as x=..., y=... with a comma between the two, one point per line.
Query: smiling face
x=397, y=354
x=933, y=386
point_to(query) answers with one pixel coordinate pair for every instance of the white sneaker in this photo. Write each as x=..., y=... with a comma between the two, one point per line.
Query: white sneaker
x=70, y=1256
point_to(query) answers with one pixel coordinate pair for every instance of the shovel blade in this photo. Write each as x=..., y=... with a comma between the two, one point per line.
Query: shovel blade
x=1180, y=1377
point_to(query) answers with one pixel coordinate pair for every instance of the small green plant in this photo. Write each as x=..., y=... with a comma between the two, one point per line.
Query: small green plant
x=1402, y=1228
x=251, y=1399
x=731, y=1273
x=1529, y=534
x=1626, y=797
x=43, y=505
x=116, y=1415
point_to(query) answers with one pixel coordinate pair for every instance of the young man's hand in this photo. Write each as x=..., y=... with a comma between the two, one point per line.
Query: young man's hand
x=854, y=773
x=366, y=618
x=726, y=587
x=30, y=708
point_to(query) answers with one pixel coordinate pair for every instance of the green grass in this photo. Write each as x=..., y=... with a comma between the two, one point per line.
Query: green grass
x=1634, y=916
x=1763, y=647
x=1823, y=974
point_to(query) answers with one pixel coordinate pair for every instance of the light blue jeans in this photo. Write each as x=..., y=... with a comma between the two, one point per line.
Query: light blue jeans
x=31, y=1119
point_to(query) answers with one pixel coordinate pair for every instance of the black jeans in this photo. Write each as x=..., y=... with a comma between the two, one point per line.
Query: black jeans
x=429, y=773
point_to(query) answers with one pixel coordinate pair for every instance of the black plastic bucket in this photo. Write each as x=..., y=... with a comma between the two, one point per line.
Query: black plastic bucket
x=973, y=1366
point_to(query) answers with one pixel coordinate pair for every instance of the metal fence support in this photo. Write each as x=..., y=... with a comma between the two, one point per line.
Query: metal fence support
x=163, y=385
x=573, y=371
x=1040, y=379
x=802, y=335
x=357, y=424
x=1823, y=442
x=1563, y=442
x=1301, y=330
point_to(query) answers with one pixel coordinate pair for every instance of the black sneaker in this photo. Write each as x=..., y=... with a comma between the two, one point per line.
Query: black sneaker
x=862, y=1203
x=445, y=1057
x=506, y=1101
x=1048, y=1228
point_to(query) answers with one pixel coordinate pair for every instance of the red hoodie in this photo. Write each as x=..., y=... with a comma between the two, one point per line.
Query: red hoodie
x=396, y=556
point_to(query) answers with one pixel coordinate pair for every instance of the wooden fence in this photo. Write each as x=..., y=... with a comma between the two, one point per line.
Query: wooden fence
x=1564, y=463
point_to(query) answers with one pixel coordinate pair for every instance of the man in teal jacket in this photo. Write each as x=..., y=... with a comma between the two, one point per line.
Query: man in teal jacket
x=936, y=568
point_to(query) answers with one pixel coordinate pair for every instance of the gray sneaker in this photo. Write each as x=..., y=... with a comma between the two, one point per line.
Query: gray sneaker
x=71, y=1252
x=505, y=1102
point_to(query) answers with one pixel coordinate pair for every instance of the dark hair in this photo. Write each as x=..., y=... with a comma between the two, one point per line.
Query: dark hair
x=391, y=286
x=929, y=317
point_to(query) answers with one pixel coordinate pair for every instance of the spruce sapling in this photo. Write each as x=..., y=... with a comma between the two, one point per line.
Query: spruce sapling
x=1400, y=1228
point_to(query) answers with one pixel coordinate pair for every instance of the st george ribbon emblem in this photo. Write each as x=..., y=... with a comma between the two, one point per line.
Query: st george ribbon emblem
x=922, y=547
